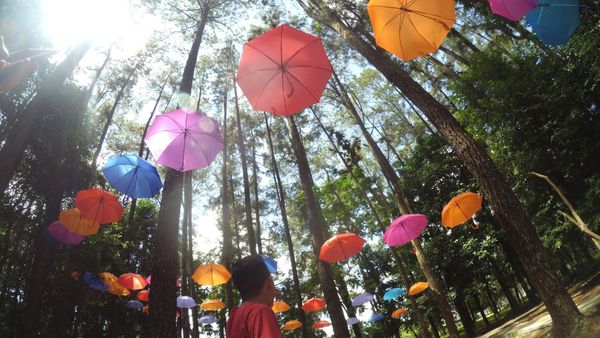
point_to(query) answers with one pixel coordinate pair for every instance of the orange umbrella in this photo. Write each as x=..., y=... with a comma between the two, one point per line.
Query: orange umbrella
x=398, y=313
x=417, y=288
x=75, y=275
x=132, y=281
x=212, y=305
x=75, y=222
x=313, y=305
x=341, y=247
x=99, y=205
x=292, y=325
x=460, y=209
x=143, y=295
x=114, y=287
x=411, y=28
x=280, y=307
x=211, y=275
x=321, y=324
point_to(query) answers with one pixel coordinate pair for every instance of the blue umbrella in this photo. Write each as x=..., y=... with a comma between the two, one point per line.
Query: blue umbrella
x=554, y=21
x=208, y=319
x=132, y=176
x=185, y=302
x=393, y=293
x=361, y=299
x=375, y=317
x=94, y=282
x=352, y=321
x=270, y=263
x=135, y=304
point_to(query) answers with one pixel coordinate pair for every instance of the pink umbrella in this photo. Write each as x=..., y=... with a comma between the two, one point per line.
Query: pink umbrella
x=512, y=9
x=404, y=229
x=63, y=235
x=184, y=140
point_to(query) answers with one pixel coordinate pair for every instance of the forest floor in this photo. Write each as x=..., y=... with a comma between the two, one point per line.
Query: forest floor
x=536, y=322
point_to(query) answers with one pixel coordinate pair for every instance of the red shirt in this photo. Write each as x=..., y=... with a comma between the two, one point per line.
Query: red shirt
x=253, y=320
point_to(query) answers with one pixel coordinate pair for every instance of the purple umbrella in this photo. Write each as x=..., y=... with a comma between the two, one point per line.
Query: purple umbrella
x=352, y=321
x=135, y=304
x=512, y=9
x=184, y=140
x=63, y=235
x=361, y=299
x=208, y=319
x=404, y=229
x=185, y=302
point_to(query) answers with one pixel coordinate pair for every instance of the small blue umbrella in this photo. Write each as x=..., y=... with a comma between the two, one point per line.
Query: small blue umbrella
x=135, y=304
x=185, y=302
x=132, y=176
x=375, y=317
x=208, y=319
x=352, y=321
x=554, y=21
x=393, y=293
x=94, y=282
x=270, y=263
x=361, y=299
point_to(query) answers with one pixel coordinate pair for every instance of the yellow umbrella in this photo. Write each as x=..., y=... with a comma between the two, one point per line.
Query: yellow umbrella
x=292, y=325
x=417, y=288
x=280, y=307
x=411, y=28
x=75, y=222
x=460, y=209
x=212, y=305
x=113, y=284
x=211, y=275
x=398, y=313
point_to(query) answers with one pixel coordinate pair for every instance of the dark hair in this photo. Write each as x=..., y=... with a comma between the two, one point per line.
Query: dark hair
x=249, y=275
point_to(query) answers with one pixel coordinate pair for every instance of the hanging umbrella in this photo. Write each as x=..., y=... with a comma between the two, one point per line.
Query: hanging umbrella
x=132, y=281
x=321, y=324
x=398, y=313
x=149, y=280
x=207, y=319
x=185, y=302
x=352, y=321
x=270, y=263
x=75, y=275
x=279, y=307
x=75, y=222
x=143, y=295
x=99, y=206
x=404, y=229
x=554, y=21
x=292, y=325
x=132, y=176
x=184, y=140
x=313, y=305
x=135, y=304
x=94, y=282
x=393, y=293
x=411, y=28
x=361, y=299
x=460, y=209
x=211, y=275
x=113, y=284
x=341, y=247
x=417, y=288
x=60, y=233
x=375, y=317
x=212, y=305
x=512, y=9
x=283, y=71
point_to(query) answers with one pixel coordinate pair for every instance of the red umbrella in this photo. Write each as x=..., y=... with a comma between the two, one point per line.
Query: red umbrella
x=143, y=295
x=313, y=304
x=99, y=206
x=132, y=281
x=283, y=71
x=321, y=324
x=341, y=247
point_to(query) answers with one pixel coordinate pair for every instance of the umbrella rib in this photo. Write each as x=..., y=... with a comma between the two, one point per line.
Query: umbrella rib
x=200, y=145
x=262, y=91
x=418, y=32
x=398, y=13
x=256, y=71
x=283, y=90
x=299, y=50
x=302, y=84
x=172, y=119
x=263, y=53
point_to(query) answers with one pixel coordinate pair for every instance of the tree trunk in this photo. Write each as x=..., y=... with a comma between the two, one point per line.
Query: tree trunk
x=514, y=304
x=92, y=86
x=317, y=227
x=464, y=314
x=256, y=199
x=434, y=328
x=185, y=272
x=481, y=310
x=347, y=302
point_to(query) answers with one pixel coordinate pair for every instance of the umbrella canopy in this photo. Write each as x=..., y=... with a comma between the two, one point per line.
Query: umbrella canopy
x=361, y=299
x=314, y=304
x=185, y=302
x=460, y=209
x=321, y=324
x=292, y=325
x=512, y=9
x=554, y=21
x=113, y=284
x=75, y=222
x=207, y=319
x=270, y=263
x=279, y=307
x=135, y=304
x=375, y=317
x=394, y=293
x=94, y=282
x=212, y=305
x=341, y=247
x=417, y=288
x=411, y=28
x=132, y=281
x=283, y=71
x=99, y=206
x=404, y=229
x=398, y=313
x=60, y=233
x=211, y=275
x=352, y=321
x=143, y=295
x=132, y=176
x=184, y=140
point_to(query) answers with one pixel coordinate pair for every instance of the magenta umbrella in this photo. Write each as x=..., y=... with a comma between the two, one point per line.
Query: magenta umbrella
x=58, y=231
x=184, y=140
x=512, y=9
x=404, y=229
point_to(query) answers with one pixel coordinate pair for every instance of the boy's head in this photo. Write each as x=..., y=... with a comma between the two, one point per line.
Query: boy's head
x=251, y=277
